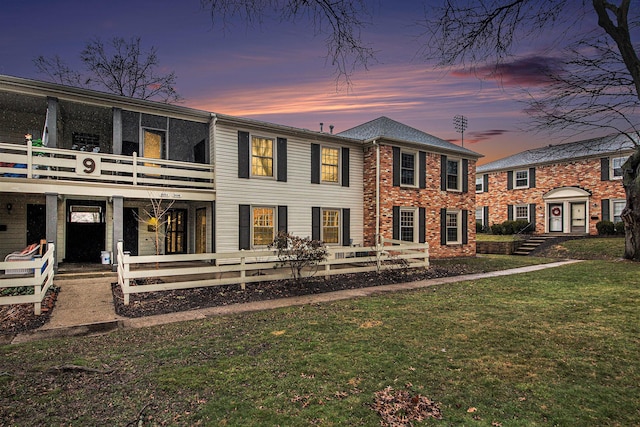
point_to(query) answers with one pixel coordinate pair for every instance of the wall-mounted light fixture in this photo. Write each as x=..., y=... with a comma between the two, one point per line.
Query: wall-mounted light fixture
x=9, y=207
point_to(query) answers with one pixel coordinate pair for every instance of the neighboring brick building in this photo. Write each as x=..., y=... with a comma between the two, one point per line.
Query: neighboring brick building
x=417, y=188
x=565, y=188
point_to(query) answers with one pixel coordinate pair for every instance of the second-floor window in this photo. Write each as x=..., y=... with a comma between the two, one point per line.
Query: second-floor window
x=479, y=184
x=616, y=167
x=521, y=179
x=407, y=168
x=262, y=156
x=453, y=174
x=330, y=164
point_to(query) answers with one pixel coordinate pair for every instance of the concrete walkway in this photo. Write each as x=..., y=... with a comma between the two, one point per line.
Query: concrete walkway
x=85, y=305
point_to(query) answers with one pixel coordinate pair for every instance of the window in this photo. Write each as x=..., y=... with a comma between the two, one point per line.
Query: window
x=261, y=156
x=618, y=206
x=479, y=183
x=480, y=215
x=616, y=167
x=407, y=225
x=453, y=174
x=264, y=230
x=85, y=214
x=453, y=227
x=331, y=226
x=521, y=212
x=407, y=168
x=521, y=179
x=330, y=161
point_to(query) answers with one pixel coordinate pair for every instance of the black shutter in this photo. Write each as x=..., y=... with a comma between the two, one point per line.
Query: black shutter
x=510, y=212
x=345, y=167
x=465, y=175
x=422, y=169
x=604, y=169
x=532, y=177
x=245, y=226
x=346, y=227
x=396, y=223
x=605, y=209
x=315, y=163
x=443, y=226
x=465, y=226
x=422, y=232
x=396, y=166
x=315, y=223
x=532, y=216
x=485, y=216
x=443, y=173
x=243, y=154
x=510, y=180
x=282, y=159
x=282, y=219
x=485, y=183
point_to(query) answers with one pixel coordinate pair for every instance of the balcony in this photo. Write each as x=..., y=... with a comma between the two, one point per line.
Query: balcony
x=56, y=166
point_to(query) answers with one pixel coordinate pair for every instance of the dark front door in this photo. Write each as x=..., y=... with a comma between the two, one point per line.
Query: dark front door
x=176, y=237
x=86, y=231
x=36, y=223
x=130, y=227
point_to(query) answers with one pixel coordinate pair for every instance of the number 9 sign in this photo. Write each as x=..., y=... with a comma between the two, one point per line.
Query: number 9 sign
x=88, y=165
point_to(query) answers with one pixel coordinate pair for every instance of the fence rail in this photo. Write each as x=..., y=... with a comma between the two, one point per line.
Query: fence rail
x=139, y=274
x=38, y=273
x=25, y=161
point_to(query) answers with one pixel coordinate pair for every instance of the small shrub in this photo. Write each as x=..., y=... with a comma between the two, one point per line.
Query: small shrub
x=605, y=228
x=619, y=228
x=508, y=227
x=298, y=252
x=497, y=229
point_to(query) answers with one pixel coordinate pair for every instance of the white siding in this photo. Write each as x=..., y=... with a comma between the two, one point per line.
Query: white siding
x=298, y=193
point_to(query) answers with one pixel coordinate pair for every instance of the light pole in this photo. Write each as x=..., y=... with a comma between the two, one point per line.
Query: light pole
x=460, y=124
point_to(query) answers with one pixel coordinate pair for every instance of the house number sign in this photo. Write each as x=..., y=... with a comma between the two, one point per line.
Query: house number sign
x=88, y=165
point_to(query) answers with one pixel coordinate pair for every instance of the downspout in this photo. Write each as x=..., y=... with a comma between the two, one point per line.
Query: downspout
x=375, y=143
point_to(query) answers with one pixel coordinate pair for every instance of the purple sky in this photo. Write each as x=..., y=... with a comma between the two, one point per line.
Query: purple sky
x=277, y=72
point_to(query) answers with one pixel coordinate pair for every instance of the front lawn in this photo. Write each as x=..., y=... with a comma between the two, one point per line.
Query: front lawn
x=554, y=347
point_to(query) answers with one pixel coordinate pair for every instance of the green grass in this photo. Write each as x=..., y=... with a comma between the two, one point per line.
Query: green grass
x=554, y=347
x=595, y=248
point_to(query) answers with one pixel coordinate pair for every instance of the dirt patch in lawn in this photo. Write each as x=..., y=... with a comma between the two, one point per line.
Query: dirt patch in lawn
x=152, y=303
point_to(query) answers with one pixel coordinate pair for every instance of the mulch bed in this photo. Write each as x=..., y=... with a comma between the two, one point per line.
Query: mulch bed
x=19, y=318
x=152, y=303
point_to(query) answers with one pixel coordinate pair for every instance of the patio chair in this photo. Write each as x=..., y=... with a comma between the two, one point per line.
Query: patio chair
x=27, y=254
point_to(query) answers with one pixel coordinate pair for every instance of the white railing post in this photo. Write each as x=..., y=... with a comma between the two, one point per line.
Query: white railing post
x=37, y=289
x=243, y=272
x=135, y=168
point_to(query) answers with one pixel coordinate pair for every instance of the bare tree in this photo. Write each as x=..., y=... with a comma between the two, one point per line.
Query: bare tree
x=594, y=84
x=340, y=21
x=121, y=67
x=155, y=218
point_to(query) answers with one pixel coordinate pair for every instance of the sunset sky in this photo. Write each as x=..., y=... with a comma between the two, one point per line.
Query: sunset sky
x=277, y=71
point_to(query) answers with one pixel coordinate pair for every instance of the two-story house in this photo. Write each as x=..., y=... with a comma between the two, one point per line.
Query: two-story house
x=416, y=188
x=82, y=169
x=564, y=188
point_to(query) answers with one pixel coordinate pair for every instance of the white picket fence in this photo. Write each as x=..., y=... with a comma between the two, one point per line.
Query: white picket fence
x=138, y=274
x=38, y=273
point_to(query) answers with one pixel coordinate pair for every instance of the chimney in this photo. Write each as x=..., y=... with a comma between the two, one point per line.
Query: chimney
x=331, y=129
x=321, y=124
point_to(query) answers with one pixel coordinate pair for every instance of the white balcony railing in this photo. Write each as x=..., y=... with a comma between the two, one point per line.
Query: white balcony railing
x=22, y=161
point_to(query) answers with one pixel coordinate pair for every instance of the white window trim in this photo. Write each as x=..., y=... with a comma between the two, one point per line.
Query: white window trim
x=416, y=172
x=322, y=211
x=458, y=240
x=481, y=178
x=275, y=223
x=612, y=169
x=515, y=211
x=613, y=202
x=322, y=181
x=459, y=178
x=416, y=219
x=515, y=178
x=274, y=157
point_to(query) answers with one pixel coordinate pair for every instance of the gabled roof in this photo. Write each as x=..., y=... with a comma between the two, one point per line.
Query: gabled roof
x=596, y=147
x=391, y=130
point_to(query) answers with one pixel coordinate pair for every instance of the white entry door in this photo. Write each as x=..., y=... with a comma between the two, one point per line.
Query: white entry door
x=578, y=218
x=555, y=218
